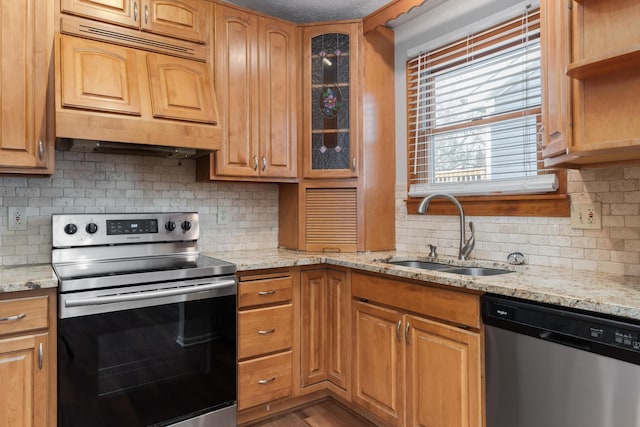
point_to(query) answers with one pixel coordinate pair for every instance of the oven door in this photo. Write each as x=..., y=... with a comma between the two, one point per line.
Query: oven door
x=171, y=359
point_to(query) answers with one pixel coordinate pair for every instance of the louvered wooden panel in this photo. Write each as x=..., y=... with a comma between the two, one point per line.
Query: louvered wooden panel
x=331, y=219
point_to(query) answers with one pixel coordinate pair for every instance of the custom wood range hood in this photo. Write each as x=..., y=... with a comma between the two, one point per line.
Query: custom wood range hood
x=135, y=81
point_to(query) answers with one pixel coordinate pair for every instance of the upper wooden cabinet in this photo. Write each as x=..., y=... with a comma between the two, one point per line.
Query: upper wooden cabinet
x=182, y=19
x=331, y=100
x=595, y=43
x=255, y=71
x=26, y=131
x=132, y=96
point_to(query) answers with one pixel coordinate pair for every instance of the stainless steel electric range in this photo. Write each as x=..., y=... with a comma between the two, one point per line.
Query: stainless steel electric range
x=147, y=324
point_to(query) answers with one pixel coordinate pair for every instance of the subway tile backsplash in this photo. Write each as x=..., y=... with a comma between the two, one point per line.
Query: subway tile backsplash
x=545, y=241
x=85, y=183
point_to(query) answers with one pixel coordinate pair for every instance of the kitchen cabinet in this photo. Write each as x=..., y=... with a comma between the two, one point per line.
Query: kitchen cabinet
x=182, y=19
x=265, y=337
x=27, y=364
x=591, y=49
x=26, y=126
x=331, y=100
x=427, y=365
x=325, y=298
x=256, y=73
x=99, y=86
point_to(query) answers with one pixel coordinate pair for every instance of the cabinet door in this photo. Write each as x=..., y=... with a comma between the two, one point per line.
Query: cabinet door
x=236, y=66
x=23, y=389
x=331, y=101
x=443, y=372
x=339, y=313
x=99, y=76
x=120, y=12
x=278, y=83
x=378, y=361
x=183, y=19
x=25, y=44
x=181, y=89
x=313, y=327
x=556, y=86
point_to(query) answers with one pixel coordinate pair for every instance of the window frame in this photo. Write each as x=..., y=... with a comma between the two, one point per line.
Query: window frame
x=550, y=204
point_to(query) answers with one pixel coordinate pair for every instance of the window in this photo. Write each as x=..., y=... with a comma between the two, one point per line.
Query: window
x=474, y=114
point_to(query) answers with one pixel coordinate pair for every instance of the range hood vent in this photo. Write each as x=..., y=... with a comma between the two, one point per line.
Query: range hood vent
x=108, y=147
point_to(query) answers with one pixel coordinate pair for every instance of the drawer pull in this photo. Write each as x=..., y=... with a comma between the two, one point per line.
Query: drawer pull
x=267, y=293
x=12, y=318
x=266, y=331
x=270, y=380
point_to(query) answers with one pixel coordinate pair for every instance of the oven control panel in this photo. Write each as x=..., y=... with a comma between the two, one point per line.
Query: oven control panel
x=73, y=230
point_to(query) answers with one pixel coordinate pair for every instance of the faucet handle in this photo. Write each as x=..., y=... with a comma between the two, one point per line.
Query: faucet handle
x=432, y=251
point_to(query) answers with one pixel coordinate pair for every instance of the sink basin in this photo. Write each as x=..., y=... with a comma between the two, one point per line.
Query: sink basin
x=421, y=264
x=447, y=268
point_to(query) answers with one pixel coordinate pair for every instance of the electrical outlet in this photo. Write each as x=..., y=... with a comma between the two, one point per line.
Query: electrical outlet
x=17, y=219
x=586, y=215
x=224, y=217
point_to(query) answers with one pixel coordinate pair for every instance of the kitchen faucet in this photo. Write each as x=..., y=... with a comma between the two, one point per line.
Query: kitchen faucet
x=465, y=247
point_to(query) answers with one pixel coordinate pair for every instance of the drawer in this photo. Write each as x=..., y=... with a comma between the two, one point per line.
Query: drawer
x=24, y=314
x=264, y=330
x=265, y=379
x=265, y=291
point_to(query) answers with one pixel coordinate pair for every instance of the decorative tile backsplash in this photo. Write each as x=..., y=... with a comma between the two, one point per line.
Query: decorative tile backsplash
x=85, y=183
x=545, y=241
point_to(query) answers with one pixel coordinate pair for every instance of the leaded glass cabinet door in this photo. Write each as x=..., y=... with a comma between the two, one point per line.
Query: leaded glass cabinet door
x=331, y=101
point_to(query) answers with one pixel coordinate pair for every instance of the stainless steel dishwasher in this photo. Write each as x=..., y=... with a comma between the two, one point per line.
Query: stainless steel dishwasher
x=555, y=367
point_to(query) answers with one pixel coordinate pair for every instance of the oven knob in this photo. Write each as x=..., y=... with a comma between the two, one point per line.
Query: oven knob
x=70, y=229
x=91, y=228
x=186, y=225
x=170, y=226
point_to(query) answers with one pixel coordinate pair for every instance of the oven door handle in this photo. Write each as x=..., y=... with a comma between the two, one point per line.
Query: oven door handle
x=137, y=296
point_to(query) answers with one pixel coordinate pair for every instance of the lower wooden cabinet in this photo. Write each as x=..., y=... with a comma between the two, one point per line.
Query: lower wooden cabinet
x=325, y=297
x=410, y=370
x=27, y=362
x=265, y=337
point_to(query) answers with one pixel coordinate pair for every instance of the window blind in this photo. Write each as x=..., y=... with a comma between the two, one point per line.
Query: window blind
x=474, y=114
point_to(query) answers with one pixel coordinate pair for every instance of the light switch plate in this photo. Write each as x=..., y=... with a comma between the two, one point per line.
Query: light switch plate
x=17, y=219
x=587, y=215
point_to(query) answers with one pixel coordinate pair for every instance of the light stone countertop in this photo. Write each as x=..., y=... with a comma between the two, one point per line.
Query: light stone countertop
x=601, y=293
x=27, y=277
x=597, y=292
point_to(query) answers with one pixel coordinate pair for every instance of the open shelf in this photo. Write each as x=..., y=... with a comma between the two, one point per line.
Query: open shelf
x=610, y=62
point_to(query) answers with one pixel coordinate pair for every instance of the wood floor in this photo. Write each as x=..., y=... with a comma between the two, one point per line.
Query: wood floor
x=327, y=413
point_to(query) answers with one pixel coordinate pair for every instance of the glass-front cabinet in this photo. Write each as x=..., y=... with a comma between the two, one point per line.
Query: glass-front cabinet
x=331, y=107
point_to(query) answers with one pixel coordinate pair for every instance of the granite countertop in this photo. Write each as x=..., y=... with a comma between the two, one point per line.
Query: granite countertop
x=597, y=292
x=27, y=277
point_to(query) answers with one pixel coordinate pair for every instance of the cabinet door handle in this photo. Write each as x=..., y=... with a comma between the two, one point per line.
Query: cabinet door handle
x=255, y=163
x=13, y=318
x=270, y=380
x=135, y=11
x=353, y=164
x=266, y=331
x=146, y=14
x=398, y=330
x=406, y=332
x=267, y=293
x=555, y=134
x=41, y=149
x=264, y=163
x=40, y=356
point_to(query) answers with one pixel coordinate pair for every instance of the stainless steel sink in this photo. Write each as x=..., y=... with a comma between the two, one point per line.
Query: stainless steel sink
x=447, y=268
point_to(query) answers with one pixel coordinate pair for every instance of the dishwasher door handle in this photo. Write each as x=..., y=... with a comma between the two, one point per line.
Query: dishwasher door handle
x=564, y=340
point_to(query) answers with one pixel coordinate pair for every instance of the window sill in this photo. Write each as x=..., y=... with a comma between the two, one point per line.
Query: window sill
x=544, y=205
